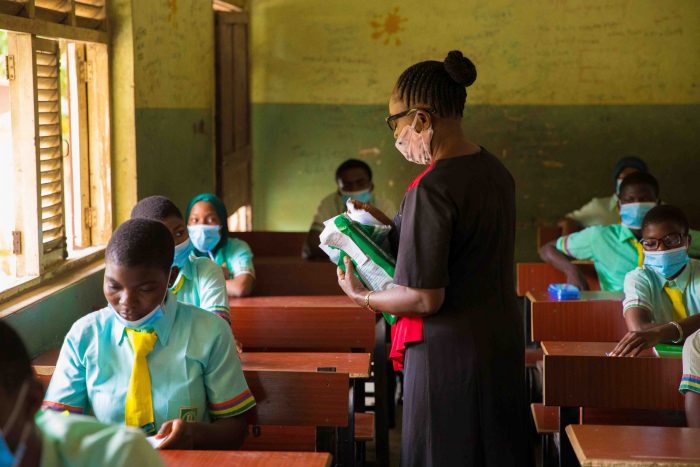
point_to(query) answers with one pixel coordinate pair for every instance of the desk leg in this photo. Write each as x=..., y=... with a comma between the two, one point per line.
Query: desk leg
x=381, y=394
x=346, y=435
x=567, y=416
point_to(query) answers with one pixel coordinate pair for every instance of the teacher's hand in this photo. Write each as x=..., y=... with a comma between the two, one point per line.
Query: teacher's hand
x=350, y=284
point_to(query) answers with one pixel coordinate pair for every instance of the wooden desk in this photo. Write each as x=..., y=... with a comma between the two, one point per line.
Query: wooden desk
x=273, y=244
x=245, y=459
x=578, y=374
x=595, y=317
x=294, y=276
x=356, y=365
x=609, y=445
x=294, y=301
x=538, y=276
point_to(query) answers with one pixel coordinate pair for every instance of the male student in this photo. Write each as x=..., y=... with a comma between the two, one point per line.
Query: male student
x=354, y=181
x=662, y=298
x=690, y=381
x=32, y=438
x=614, y=249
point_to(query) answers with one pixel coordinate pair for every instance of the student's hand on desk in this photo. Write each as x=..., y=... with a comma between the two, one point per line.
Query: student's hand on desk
x=376, y=213
x=350, y=284
x=636, y=341
x=177, y=433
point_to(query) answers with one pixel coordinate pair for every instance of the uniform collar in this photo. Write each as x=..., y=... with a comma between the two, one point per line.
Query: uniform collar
x=162, y=327
x=625, y=234
x=681, y=282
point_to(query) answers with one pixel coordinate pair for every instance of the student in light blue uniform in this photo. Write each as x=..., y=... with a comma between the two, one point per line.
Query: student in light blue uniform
x=207, y=227
x=48, y=439
x=614, y=249
x=187, y=386
x=662, y=299
x=199, y=281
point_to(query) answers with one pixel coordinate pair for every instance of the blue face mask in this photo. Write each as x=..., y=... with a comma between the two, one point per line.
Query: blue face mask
x=145, y=322
x=204, y=237
x=666, y=263
x=363, y=196
x=182, y=252
x=632, y=214
x=7, y=457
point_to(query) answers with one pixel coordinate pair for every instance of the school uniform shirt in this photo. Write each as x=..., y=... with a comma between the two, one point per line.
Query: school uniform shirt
x=333, y=205
x=201, y=283
x=645, y=289
x=237, y=256
x=598, y=211
x=610, y=247
x=195, y=371
x=690, y=381
x=81, y=441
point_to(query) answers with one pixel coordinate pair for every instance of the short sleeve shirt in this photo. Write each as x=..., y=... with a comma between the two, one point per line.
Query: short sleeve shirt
x=238, y=258
x=201, y=283
x=195, y=371
x=598, y=211
x=690, y=381
x=645, y=289
x=611, y=248
x=82, y=441
x=333, y=205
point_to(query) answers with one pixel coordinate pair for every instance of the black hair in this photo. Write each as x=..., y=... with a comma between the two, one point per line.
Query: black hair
x=157, y=208
x=641, y=178
x=439, y=85
x=667, y=213
x=353, y=164
x=15, y=365
x=141, y=242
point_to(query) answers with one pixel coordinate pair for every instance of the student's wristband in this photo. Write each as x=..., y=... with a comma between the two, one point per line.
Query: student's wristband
x=367, y=305
x=680, y=332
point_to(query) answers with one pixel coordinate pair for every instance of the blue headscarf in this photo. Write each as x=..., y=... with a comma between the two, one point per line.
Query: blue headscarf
x=625, y=162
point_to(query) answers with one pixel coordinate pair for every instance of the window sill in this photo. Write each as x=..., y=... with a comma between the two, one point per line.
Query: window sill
x=53, y=280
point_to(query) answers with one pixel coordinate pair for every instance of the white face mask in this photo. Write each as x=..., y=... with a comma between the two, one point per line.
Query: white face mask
x=415, y=146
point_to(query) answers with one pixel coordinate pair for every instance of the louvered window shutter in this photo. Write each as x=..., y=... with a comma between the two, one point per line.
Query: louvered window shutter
x=49, y=139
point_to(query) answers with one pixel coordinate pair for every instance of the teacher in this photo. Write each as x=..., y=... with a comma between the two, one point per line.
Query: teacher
x=464, y=395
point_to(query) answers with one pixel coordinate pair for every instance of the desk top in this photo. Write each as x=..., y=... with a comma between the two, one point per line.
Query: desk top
x=608, y=445
x=245, y=459
x=584, y=349
x=586, y=295
x=356, y=365
x=294, y=301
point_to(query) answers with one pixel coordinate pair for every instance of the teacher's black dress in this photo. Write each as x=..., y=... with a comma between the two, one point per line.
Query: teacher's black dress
x=464, y=394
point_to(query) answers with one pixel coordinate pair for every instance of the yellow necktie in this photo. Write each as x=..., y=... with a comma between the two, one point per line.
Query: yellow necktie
x=676, y=296
x=139, y=401
x=640, y=251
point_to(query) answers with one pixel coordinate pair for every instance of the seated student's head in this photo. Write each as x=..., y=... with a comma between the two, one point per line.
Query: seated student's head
x=639, y=193
x=665, y=240
x=627, y=166
x=206, y=222
x=354, y=179
x=20, y=398
x=160, y=208
x=138, y=262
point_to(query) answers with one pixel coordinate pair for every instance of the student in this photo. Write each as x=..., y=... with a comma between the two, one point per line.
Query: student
x=199, y=281
x=603, y=211
x=662, y=299
x=354, y=180
x=29, y=437
x=183, y=381
x=207, y=227
x=615, y=249
x=690, y=381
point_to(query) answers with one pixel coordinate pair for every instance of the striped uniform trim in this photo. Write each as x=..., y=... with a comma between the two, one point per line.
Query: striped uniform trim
x=689, y=383
x=636, y=303
x=222, y=312
x=58, y=407
x=235, y=406
x=565, y=246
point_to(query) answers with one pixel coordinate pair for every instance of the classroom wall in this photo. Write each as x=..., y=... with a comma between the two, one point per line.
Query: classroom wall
x=564, y=89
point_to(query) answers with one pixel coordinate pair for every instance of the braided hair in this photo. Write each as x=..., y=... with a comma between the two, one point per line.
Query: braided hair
x=439, y=85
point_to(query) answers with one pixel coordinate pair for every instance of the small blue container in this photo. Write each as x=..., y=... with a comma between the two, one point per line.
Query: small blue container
x=563, y=292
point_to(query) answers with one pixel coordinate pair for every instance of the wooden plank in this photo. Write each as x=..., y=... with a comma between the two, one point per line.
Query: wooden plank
x=244, y=459
x=538, y=276
x=294, y=301
x=596, y=317
x=280, y=438
x=546, y=418
x=273, y=244
x=355, y=365
x=48, y=29
x=603, y=445
x=293, y=276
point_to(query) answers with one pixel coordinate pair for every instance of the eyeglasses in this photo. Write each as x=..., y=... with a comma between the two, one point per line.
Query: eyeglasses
x=391, y=119
x=673, y=240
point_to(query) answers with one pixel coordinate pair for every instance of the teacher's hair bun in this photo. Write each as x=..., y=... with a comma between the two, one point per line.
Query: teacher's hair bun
x=460, y=68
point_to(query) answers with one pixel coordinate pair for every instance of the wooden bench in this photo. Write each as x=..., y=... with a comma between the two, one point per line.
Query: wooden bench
x=581, y=380
x=273, y=244
x=245, y=459
x=595, y=317
x=605, y=445
x=546, y=421
x=537, y=276
x=294, y=276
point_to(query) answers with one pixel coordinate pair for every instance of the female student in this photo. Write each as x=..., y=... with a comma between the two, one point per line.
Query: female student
x=47, y=439
x=614, y=249
x=454, y=236
x=199, y=281
x=206, y=223
x=662, y=299
x=149, y=361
